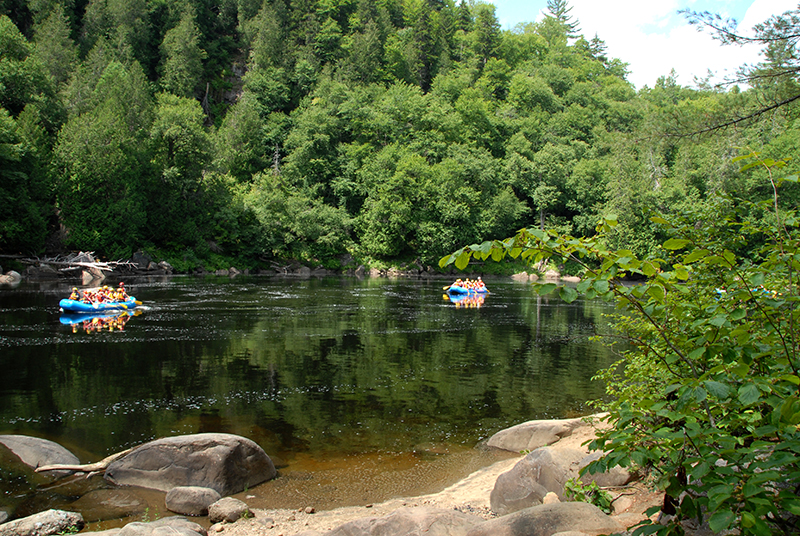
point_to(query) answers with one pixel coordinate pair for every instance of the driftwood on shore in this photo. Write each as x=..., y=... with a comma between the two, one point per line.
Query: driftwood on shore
x=90, y=468
x=77, y=261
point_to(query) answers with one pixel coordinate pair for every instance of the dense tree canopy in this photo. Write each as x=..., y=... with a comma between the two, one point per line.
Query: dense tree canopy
x=390, y=131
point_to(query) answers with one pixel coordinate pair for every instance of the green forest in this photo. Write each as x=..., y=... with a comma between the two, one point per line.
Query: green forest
x=211, y=132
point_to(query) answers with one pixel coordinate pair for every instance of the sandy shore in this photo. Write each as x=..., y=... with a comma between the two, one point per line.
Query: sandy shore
x=469, y=495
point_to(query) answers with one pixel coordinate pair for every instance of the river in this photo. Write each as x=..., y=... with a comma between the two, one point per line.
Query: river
x=359, y=389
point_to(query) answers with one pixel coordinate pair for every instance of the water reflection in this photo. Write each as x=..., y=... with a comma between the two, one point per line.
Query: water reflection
x=94, y=322
x=320, y=373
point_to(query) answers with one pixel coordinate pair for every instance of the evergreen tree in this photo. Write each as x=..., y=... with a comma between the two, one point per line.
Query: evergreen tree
x=487, y=33
x=182, y=57
x=54, y=47
x=559, y=11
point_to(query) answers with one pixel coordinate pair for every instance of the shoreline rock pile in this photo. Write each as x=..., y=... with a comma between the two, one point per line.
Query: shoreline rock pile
x=521, y=496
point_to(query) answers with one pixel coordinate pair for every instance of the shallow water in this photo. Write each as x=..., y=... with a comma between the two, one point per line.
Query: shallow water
x=360, y=390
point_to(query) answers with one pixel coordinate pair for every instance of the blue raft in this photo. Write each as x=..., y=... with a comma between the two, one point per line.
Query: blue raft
x=74, y=306
x=455, y=289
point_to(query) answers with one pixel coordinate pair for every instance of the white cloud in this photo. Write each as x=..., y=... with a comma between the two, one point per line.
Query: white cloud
x=654, y=39
x=761, y=10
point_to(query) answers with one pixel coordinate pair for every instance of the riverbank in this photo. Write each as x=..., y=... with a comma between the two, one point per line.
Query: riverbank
x=470, y=495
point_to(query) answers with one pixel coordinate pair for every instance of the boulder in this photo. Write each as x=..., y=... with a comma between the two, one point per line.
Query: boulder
x=544, y=470
x=228, y=510
x=531, y=435
x=521, y=276
x=141, y=259
x=303, y=272
x=169, y=526
x=614, y=477
x=191, y=500
x=411, y=522
x=43, y=524
x=226, y=463
x=10, y=278
x=35, y=452
x=549, y=519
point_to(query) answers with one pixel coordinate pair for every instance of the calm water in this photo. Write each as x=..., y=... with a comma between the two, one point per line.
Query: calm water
x=359, y=390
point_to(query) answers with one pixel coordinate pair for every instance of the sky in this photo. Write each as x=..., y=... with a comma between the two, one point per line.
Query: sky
x=653, y=38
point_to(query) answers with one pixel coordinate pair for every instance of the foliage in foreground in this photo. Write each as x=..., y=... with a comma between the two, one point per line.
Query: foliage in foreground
x=708, y=404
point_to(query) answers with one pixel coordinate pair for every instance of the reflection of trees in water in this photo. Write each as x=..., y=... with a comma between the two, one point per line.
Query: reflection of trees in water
x=321, y=365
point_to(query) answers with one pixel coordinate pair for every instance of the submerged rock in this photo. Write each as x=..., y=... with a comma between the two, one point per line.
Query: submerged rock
x=36, y=452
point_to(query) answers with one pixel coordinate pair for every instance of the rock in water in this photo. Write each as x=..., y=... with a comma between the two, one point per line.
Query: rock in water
x=224, y=462
x=36, y=452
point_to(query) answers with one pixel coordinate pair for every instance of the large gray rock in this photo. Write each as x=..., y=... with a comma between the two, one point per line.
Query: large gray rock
x=169, y=526
x=531, y=435
x=191, y=500
x=36, y=452
x=411, y=522
x=549, y=519
x=226, y=463
x=544, y=470
x=43, y=524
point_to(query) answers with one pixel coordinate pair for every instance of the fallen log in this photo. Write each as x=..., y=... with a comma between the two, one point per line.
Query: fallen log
x=83, y=260
x=90, y=468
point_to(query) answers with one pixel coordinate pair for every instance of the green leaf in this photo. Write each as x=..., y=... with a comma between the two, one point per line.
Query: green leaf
x=681, y=272
x=718, y=390
x=568, y=294
x=545, y=289
x=748, y=520
x=656, y=292
x=700, y=470
x=718, y=320
x=749, y=394
x=721, y=521
x=601, y=286
x=444, y=261
x=463, y=260
x=676, y=243
x=696, y=255
x=649, y=269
